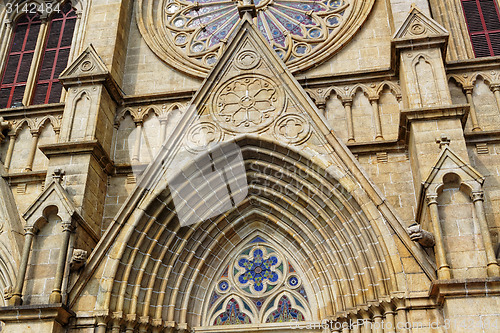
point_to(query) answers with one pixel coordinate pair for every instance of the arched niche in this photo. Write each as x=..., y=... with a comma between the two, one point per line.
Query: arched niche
x=462, y=238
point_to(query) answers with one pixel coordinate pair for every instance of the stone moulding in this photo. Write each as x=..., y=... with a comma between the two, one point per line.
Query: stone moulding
x=430, y=113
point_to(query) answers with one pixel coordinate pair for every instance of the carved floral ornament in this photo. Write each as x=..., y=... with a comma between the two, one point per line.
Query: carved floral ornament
x=191, y=35
x=249, y=103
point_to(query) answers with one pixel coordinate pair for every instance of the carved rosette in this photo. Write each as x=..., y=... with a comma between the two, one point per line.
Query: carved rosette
x=247, y=104
x=201, y=135
x=292, y=128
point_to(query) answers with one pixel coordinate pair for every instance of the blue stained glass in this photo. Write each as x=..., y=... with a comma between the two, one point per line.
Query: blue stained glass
x=258, y=239
x=333, y=20
x=198, y=19
x=276, y=33
x=223, y=285
x=316, y=7
x=258, y=270
x=289, y=25
x=221, y=34
x=232, y=315
x=298, y=16
x=315, y=33
x=285, y=312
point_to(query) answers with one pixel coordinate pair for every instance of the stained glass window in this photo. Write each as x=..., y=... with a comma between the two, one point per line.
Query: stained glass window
x=293, y=28
x=191, y=35
x=259, y=285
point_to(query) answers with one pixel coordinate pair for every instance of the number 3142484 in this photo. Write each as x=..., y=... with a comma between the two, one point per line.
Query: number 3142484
x=33, y=8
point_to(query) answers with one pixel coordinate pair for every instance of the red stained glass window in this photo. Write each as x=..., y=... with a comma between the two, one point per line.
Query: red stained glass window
x=22, y=48
x=55, y=57
x=483, y=22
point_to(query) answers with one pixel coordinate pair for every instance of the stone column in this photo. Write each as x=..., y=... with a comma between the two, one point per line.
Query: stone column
x=472, y=112
x=496, y=91
x=163, y=128
x=137, y=145
x=10, y=150
x=56, y=295
x=377, y=320
x=443, y=268
x=390, y=321
x=101, y=324
x=31, y=157
x=492, y=269
x=350, y=125
x=29, y=233
x=376, y=116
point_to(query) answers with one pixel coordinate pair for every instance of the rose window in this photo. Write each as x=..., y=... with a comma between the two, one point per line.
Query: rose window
x=192, y=34
x=259, y=285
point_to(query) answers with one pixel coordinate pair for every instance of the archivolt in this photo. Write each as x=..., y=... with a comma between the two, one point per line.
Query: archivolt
x=164, y=269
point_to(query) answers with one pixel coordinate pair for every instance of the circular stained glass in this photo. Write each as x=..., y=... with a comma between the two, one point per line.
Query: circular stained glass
x=223, y=286
x=324, y=25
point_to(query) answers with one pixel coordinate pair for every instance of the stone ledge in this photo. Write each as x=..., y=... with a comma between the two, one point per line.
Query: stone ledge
x=44, y=312
x=32, y=110
x=482, y=137
x=28, y=177
x=81, y=147
x=442, y=289
x=376, y=146
x=431, y=113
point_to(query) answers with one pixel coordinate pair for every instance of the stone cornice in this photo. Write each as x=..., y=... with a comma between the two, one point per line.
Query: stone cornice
x=473, y=64
x=442, y=289
x=32, y=111
x=58, y=312
x=25, y=177
x=166, y=97
x=82, y=147
x=430, y=113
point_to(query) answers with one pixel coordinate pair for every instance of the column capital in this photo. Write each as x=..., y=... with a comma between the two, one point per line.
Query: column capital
x=67, y=226
x=468, y=89
x=495, y=87
x=30, y=230
x=431, y=199
x=477, y=196
x=347, y=101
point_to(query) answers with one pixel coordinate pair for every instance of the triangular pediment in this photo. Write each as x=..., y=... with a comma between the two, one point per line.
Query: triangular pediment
x=53, y=195
x=87, y=65
x=417, y=25
x=449, y=162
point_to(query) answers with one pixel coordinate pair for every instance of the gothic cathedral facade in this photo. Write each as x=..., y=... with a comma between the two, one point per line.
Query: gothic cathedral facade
x=217, y=166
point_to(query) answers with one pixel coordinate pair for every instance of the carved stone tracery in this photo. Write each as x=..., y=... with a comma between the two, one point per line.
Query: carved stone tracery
x=191, y=35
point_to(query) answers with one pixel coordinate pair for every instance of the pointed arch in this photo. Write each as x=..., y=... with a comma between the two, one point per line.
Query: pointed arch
x=290, y=198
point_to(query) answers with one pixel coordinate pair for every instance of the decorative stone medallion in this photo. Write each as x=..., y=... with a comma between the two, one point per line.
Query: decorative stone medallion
x=247, y=59
x=201, y=135
x=292, y=128
x=247, y=103
x=191, y=35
